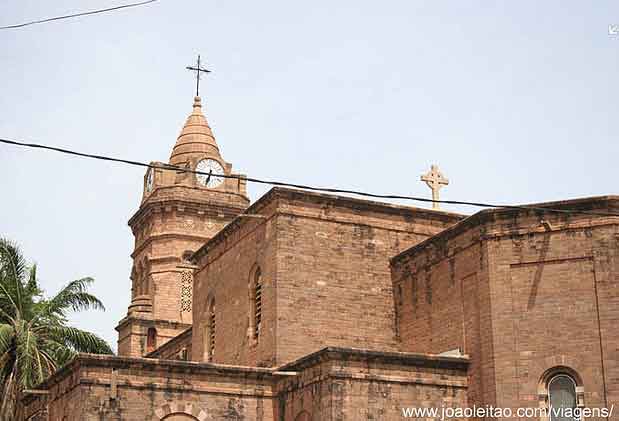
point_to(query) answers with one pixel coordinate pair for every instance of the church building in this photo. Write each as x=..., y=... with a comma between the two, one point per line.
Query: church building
x=309, y=306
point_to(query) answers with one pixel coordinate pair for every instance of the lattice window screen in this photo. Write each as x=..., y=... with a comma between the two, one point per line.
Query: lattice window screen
x=186, y=290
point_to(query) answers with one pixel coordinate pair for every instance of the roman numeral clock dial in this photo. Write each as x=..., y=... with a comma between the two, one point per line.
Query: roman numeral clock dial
x=214, y=168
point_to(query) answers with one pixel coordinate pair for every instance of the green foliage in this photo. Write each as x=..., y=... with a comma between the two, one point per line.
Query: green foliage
x=34, y=337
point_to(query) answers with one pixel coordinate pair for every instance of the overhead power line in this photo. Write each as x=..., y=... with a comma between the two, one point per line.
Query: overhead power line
x=74, y=15
x=170, y=167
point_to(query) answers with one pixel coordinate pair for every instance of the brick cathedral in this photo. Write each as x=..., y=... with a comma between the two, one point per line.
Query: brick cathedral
x=305, y=306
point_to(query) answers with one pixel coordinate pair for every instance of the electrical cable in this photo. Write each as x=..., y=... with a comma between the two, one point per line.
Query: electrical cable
x=74, y=15
x=301, y=186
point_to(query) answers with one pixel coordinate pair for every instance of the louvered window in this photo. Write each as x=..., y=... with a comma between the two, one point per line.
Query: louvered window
x=212, y=329
x=257, y=302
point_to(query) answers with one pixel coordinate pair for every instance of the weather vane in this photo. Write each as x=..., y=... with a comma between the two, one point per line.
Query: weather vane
x=198, y=71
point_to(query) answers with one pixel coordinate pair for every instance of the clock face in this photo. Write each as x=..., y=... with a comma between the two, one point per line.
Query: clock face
x=212, y=166
x=149, y=180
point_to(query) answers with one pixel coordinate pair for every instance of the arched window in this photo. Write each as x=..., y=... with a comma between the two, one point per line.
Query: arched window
x=562, y=396
x=134, y=279
x=138, y=279
x=144, y=289
x=211, y=330
x=257, y=298
x=183, y=354
x=151, y=339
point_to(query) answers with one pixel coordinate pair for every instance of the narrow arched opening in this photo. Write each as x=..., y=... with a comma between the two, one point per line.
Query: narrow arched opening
x=151, y=339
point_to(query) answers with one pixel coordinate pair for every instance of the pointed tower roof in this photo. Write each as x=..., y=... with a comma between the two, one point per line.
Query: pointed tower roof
x=196, y=138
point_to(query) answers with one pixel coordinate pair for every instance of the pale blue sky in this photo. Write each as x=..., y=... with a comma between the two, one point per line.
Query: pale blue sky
x=516, y=101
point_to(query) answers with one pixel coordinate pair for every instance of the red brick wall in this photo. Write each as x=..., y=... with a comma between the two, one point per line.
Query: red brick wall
x=545, y=312
x=342, y=384
x=442, y=300
x=333, y=280
x=331, y=385
x=178, y=348
x=605, y=247
x=171, y=221
x=325, y=266
x=224, y=275
x=520, y=299
x=115, y=389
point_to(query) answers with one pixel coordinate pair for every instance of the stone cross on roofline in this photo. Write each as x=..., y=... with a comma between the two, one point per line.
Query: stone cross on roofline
x=435, y=180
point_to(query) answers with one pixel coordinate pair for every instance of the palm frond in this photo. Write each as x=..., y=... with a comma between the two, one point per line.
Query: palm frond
x=50, y=364
x=7, y=365
x=75, y=296
x=32, y=286
x=8, y=302
x=6, y=317
x=7, y=338
x=60, y=353
x=79, y=340
x=13, y=268
x=28, y=364
x=9, y=394
x=34, y=337
x=13, y=261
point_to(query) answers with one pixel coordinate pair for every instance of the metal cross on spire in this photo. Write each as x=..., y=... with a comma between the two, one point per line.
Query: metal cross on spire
x=435, y=180
x=198, y=71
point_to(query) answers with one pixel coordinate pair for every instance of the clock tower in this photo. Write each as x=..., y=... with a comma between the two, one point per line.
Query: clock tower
x=179, y=212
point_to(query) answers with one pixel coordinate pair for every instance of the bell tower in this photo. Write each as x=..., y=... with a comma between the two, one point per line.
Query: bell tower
x=179, y=212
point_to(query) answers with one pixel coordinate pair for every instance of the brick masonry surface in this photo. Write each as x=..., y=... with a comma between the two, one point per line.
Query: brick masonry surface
x=332, y=384
x=307, y=306
x=177, y=216
x=517, y=295
x=324, y=262
x=525, y=294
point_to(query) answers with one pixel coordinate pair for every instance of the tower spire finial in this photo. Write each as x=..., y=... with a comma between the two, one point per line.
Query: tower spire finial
x=198, y=71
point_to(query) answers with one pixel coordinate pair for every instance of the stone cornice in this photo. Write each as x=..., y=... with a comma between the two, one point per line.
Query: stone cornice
x=355, y=203
x=154, y=365
x=144, y=321
x=490, y=221
x=209, y=205
x=158, y=367
x=364, y=355
x=172, y=235
x=279, y=193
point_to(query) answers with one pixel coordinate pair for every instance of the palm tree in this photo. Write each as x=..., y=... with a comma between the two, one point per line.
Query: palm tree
x=35, y=339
